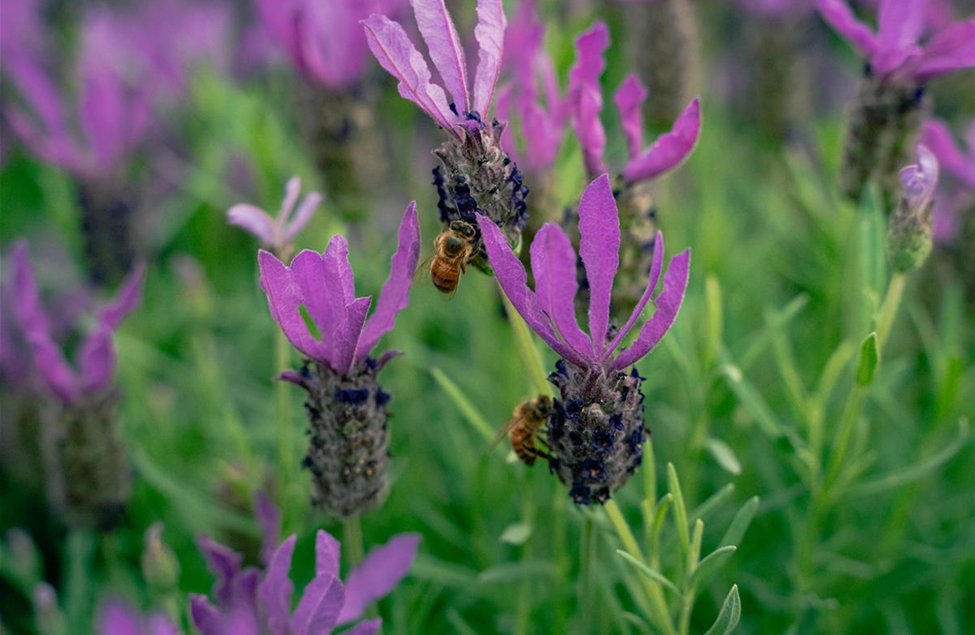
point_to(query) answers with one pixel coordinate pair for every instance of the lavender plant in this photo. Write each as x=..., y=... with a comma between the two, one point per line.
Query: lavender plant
x=346, y=406
x=595, y=433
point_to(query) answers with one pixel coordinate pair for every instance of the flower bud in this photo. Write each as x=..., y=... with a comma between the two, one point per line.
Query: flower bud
x=160, y=567
x=910, y=229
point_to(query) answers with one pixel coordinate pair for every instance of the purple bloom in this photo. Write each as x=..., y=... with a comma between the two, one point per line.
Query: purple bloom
x=277, y=234
x=96, y=360
x=256, y=601
x=325, y=286
x=323, y=39
x=119, y=618
x=396, y=53
x=542, y=121
x=585, y=94
x=919, y=180
x=910, y=228
x=895, y=50
x=597, y=428
x=960, y=162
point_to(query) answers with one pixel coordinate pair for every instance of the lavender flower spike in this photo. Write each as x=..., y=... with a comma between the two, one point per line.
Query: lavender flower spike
x=910, y=230
x=252, y=601
x=278, y=233
x=888, y=108
x=117, y=617
x=475, y=174
x=346, y=406
x=596, y=430
x=84, y=460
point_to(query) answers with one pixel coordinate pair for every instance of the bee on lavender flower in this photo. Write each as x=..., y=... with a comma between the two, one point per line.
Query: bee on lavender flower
x=523, y=428
x=453, y=250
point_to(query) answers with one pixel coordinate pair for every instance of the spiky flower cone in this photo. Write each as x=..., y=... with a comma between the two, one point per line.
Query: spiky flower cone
x=885, y=120
x=596, y=430
x=348, y=445
x=475, y=175
x=663, y=39
x=340, y=129
x=87, y=473
x=107, y=217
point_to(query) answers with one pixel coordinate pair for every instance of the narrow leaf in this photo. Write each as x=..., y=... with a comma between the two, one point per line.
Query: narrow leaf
x=680, y=511
x=728, y=616
x=739, y=524
x=654, y=575
x=722, y=453
x=467, y=409
x=709, y=564
x=516, y=534
x=869, y=357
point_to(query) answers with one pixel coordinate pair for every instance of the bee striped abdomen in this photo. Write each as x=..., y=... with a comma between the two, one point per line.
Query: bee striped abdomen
x=523, y=444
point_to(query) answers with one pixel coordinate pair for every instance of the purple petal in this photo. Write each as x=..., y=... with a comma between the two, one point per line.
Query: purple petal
x=396, y=292
x=668, y=305
x=276, y=588
x=205, y=616
x=395, y=53
x=285, y=300
x=368, y=627
x=950, y=50
x=48, y=357
x=127, y=300
x=599, y=247
x=269, y=520
x=629, y=101
x=349, y=333
x=489, y=33
x=899, y=26
x=586, y=96
x=554, y=267
x=254, y=220
x=243, y=620
x=224, y=563
x=160, y=624
x=839, y=15
x=670, y=149
x=656, y=267
x=102, y=107
x=513, y=280
x=302, y=216
x=97, y=361
x=324, y=305
x=292, y=190
x=279, y=18
x=118, y=618
x=438, y=31
x=319, y=607
x=331, y=44
x=338, y=270
x=938, y=138
x=378, y=574
x=920, y=180
x=327, y=554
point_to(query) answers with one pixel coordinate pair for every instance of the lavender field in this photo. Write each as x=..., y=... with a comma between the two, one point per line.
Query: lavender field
x=357, y=316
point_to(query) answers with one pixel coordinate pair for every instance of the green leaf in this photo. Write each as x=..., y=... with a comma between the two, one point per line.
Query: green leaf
x=680, y=511
x=728, y=616
x=739, y=524
x=516, y=571
x=709, y=564
x=869, y=358
x=654, y=575
x=752, y=402
x=467, y=409
x=712, y=502
x=722, y=453
x=516, y=534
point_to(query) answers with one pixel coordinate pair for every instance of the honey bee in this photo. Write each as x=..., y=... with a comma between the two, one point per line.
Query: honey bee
x=523, y=426
x=453, y=249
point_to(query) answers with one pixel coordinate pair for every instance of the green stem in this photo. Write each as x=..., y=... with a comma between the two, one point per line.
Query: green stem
x=560, y=555
x=586, y=576
x=888, y=309
x=282, y=360
x=79, y=592
x=528, y=350
x=523, y=603
x=352, y=539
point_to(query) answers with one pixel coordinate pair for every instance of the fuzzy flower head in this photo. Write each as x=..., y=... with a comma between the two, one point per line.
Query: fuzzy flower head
x=550, y=309
x=397, y=54
x=253, y=601
x=323, y=39
x=895, y=49
x=543, y=117
x=324, y=285
x=910, y=230
x=277, y=234
x=919, y=180
x=117, y=617
x=96, y=360
x=586, y=98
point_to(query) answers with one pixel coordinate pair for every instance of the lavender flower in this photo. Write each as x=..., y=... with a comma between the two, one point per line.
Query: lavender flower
x=888, y=108
x=85, y=465
x=909, y=232
x=277, y=234
x=346, y=406
x=253, y=601
x=475, y=174
x=117, y=617
x=597, y=427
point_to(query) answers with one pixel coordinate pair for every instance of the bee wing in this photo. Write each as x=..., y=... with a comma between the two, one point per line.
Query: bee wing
x=505, y=429
x=422, y=272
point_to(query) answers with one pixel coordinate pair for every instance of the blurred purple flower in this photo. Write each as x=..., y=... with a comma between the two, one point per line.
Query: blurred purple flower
x=542, y=120
x=777, y=8
x=256, y=601
x=277, y=234
x=959, y=161
x=96, y=360
x=325, y=286
x=119, y=618
x=553, y=266
x=323, y=39
x=919, y=180
x=910, y=227
x=585, y=94
x=895, y=49
x=395, y=52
